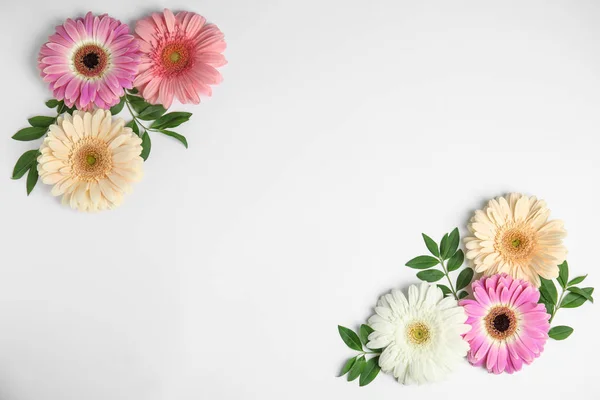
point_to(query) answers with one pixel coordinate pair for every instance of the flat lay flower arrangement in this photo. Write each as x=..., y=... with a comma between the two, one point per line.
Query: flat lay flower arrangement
x=499, y=320
x=97, y=68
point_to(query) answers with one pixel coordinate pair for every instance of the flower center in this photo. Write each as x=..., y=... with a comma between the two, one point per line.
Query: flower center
x=501, y=322
x=90, y=60
x=91, y=160
x=175, y=57
x=516, y=242
x=418, y=333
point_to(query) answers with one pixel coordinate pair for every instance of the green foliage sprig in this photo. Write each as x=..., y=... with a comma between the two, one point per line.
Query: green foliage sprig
x=143, y=112
x=570, y=297
x=450, y=258
x=359, y=365
x=38, y=128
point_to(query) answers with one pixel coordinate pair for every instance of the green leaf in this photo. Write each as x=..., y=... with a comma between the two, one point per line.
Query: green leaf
x=456, y=260
x=462, y=295
x=369, y=372
x=560, y=332
x=146, y=146
x=52, y=103
x=137, y=103
x=574, y=300
x=431, y=275
x=431, y=245
x=450, y=245
x=364, y=332
x=27, y=134
x=549, y=306
x=347, y=366
x=576, y=281
x=350, y=338
x=445, y=289
x=153, y=112
x=588, y=296
x=117, y=108
x=357, y=368
x=32, y=178
x=464, y=278
x=548, y=290
x=177, y=136
x=563, y=274
x=41, y=121
x=134, y=127
x=133, y=91
x=23, y=164
x=423, y=262
x=171, y=120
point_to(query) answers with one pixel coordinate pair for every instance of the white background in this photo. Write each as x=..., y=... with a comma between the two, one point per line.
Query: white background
x=343, y=129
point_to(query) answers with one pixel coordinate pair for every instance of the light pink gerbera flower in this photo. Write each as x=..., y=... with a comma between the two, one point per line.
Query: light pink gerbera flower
x=88, y=61
x=180, y=56
x=509, y=327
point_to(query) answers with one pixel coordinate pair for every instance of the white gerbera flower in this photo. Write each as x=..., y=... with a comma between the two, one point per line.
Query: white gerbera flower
x=421, y=336
x=90, y=159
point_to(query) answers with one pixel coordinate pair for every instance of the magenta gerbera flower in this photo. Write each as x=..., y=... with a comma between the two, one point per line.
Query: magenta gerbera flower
x=180, y=56
x=509, y=327
x=89, y=61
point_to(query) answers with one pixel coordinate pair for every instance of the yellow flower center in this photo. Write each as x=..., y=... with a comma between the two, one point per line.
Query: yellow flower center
x=91, y=159
x=516, y=242
x=175, y=56
x=418, y=333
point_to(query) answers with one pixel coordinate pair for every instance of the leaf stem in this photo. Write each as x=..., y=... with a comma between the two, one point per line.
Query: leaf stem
x=448, y=277
x=557, y=306
x=136, y=119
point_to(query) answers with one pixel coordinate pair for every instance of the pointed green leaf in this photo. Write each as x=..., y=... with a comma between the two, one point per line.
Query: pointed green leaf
x=365, y=331
x=563, y=274
x=171, y=120
x=445, y=289
x=133, y=91
x=146, y=146
x=450, y=245
x=456, y=260
x=117, y=108
x=52, y=103
x=462, y=295
x=549, y=306
x=431, y=275
x=422, y=262
x=357, y=368
x=548, y=290
x=137, y=103
x=574, y=300
x=464, y=278
x=347, y=366
x=177, y=136
x=444, y=245
x=134, y=127
x=32, y=177
x=41, y=121
x=588, y=296
x=560, y=332
x=577, y=281
x=32, y=133
x=153, y=112
x=24, y=163
x=370, y=371
x=350, y=338
x=431, y=245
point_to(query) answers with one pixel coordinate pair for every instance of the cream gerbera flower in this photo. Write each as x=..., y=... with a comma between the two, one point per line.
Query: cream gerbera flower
x=513, y=235
x=421, y=336
x=90, y=159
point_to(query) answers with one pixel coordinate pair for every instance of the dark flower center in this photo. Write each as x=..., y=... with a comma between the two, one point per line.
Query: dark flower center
x=91, y=60
x=501, y=323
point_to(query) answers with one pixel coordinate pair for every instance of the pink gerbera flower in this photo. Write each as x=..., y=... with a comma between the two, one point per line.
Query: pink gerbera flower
x=180, y=56
x=509, y=327
x=88, y=61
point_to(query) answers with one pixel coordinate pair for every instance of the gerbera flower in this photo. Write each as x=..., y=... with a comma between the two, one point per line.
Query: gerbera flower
x=88, y=61
x=90, y=159
x=513, y=235
x=421, y=335
x=509, y=327
x=180, y=54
